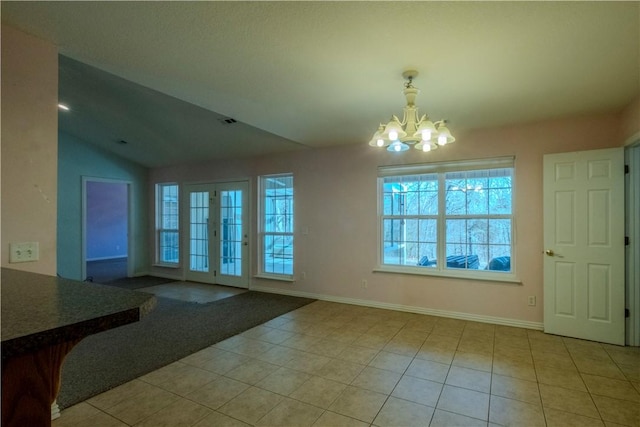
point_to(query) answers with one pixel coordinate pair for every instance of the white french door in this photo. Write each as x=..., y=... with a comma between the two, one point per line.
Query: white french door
x=217, y=239
x=584, y=254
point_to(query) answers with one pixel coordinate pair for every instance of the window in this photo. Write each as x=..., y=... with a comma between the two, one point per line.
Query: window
x=276, y=228
x=453, y=219
x=167, y=234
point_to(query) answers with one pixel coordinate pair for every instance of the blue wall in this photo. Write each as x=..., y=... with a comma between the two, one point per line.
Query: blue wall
x=78, y=159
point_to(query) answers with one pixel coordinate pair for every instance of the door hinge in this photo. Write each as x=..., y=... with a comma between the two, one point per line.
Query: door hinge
x=626, y=240
x=626, y=169
x=626, y=312
x=215, y=273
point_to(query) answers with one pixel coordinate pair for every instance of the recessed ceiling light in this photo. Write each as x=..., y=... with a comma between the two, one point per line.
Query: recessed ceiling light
x=63, y=107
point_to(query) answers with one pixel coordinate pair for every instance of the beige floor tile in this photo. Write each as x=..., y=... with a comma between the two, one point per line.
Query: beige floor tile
x=291, y=412
x=480, y=362
x=358, y=403
x=418, y=390
x=308, y=362
x=331, y=419
x=603, y=368
x=464, y=402
x=279, y=355
x=428, y=370
x=469, y=378
x=223, y=362
x=507, y=367
x=547, y=346
x=256, y=331
x=372, y=341
x=405, y=347
x=446, y=330
x=398, y=412
x=557, y=418
x=218, y=392
x=74, y=417
x=435, y=354
x=449, y=419
x=318, y=391
x=514, y=354
x=118, y=394
x=182, y=412
x=566, y=378
x=252, y=371
x=357, y=354
x=511, y=331
x=141, y=406
x=442, y=341
x=283, y=381
x=301, y=342
x=509, y=412
x=190, y=379
x=276, y=336
x=616, y=389
x=252, y=347
x=563, y=399
x=476, y=345
x=553, y=360
x=216, y=419
x=327, y=347
x=340, y=370
x=391, y=362
x=624, y=355
x=344, y=336
x=632, y=372
x=502, y=340
x=421, y=324
x=202, y=356
x=231, y=342
x=251, y=405
x=164, y=374
x=618, y=411
x=375, y=379
x=513, y=388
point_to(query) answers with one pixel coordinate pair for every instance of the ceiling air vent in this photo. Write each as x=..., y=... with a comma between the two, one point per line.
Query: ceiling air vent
x=227, y=121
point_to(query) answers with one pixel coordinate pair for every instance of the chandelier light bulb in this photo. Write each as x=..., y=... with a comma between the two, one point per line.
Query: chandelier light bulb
x=413, y=130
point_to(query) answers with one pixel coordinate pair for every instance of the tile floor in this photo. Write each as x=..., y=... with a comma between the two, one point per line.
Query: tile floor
x=330, y=364
x=193, y=292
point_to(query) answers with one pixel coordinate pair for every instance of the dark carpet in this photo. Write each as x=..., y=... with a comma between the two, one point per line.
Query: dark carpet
x=133, y=283
x=173, y=330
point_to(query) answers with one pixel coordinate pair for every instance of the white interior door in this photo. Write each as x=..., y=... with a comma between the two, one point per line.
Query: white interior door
x=584, y=255
x=217, y=238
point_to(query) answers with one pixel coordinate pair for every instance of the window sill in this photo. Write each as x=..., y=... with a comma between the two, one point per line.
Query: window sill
x=164, y=265
x=465, y=275
x=274, y=277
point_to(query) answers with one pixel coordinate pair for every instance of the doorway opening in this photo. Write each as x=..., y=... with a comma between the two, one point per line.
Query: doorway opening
x=106, y=248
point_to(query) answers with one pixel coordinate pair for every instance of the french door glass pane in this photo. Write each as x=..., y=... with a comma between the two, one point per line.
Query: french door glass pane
x=231, y=232
x=199, y=240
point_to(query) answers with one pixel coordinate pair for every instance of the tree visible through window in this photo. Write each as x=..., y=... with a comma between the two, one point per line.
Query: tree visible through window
x=167, y=221
x=277, y=224
x=448, y=220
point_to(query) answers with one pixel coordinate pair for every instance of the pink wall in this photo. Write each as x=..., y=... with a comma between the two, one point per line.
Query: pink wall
x=336, y=199
x=29, y=147
x=631, y=122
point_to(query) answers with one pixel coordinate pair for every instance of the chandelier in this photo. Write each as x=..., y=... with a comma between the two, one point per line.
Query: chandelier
x=420, y=132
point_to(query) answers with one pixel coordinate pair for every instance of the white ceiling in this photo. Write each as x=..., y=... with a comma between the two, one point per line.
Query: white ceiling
x=313, y=74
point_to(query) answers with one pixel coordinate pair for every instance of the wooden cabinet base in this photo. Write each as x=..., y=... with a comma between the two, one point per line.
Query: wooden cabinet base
x=30, y=385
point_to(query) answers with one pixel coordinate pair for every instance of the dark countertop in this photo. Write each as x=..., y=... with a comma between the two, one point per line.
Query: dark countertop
x=40, y=310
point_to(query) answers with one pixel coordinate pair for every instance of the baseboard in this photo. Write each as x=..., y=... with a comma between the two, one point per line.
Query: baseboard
x=407, y=308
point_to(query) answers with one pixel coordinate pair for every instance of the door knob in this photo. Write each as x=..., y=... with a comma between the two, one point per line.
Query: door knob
x=549, y=252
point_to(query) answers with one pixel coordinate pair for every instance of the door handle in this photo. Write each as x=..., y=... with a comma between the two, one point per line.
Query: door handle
x=549, y=252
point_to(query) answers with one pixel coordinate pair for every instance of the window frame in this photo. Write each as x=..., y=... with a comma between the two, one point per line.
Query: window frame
x=159, y=229
x=441, y=168
x=262, y=233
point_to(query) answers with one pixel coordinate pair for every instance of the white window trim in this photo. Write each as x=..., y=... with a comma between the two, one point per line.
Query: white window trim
x=158, y=228
x=262, y=274
x=441, y=168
